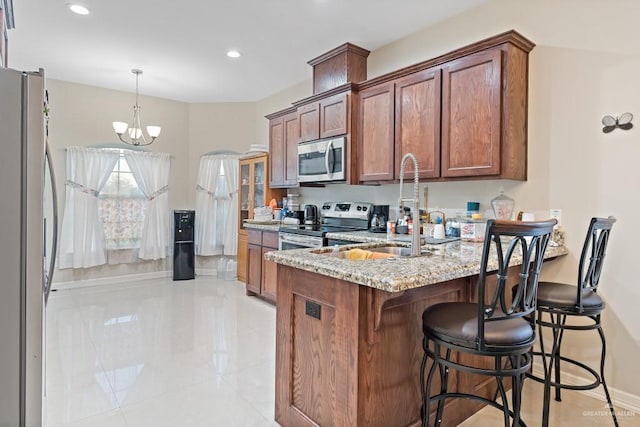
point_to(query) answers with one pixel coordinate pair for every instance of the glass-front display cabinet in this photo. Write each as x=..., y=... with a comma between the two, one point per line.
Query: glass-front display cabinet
x=253, y=186
x=253, y=192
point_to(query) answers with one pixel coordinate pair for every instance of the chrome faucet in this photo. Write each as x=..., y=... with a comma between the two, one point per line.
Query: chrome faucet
x=415, y=236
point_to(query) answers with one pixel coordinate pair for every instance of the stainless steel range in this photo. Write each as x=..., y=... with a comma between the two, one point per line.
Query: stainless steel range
x=334, y=217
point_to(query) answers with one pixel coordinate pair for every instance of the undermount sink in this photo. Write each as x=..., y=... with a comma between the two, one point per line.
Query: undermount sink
x=392, y=250
x=380, y=252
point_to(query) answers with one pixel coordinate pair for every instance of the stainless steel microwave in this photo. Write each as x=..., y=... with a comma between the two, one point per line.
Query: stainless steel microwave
x=321, y=161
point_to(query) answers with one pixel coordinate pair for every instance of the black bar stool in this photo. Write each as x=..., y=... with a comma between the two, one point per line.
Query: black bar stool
x=559, y=300
x=493, y=327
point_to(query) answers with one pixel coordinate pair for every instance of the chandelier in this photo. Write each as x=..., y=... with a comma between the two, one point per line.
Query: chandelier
x=134, y=134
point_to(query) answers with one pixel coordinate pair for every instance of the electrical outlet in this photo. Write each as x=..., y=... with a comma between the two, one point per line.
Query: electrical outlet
x=557, y=214
x=312, y=309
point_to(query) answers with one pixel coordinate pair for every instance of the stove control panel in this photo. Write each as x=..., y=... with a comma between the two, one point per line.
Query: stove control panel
x=354, y=210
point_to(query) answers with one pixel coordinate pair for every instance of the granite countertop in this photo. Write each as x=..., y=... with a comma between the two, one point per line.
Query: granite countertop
x=440, y=263
x=264, y=226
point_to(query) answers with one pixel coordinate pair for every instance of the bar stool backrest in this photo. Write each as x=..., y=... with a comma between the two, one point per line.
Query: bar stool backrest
x=511, y=240
x=592, y=257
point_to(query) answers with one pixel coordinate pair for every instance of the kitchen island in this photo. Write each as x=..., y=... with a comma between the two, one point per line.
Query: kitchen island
x=349, y=335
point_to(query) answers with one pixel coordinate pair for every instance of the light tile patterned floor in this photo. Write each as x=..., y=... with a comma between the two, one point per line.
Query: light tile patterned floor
x=193, y=353
x=160, y=353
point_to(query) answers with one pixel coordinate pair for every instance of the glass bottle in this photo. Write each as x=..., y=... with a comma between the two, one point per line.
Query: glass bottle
x=502, y=206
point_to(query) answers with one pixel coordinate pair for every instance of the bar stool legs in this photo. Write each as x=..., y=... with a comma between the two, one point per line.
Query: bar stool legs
x=551, y=362
x=513, y=367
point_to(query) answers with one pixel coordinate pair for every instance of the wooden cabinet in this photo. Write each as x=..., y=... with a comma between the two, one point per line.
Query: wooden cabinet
x=417, y=122
x=318, y=117
x=254, y=262
x=334, y=115
x=463, y=115
x=375, y=144
x=283, y=150
x=261, y=274
x=471, y=115
x=253, y=192
x=324, y=118
x=242, y=257
x=399, y=117
x=269, y=276
x=309, y=122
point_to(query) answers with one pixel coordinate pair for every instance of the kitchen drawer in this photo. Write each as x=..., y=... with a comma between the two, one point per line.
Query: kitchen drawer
x=270, y=239
x=255, y=237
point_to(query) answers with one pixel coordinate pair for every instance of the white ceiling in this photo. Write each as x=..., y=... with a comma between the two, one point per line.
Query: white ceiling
x=181, y=45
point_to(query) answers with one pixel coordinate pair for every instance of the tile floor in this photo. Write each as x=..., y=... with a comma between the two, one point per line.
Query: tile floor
x=160, y=353
x=193, y=353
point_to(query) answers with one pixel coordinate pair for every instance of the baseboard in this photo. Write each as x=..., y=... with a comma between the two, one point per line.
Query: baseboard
x=101, y=281
x=620, y=399
x=127, y=278
x=206, y=272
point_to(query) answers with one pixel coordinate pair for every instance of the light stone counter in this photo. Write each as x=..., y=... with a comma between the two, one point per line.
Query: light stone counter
x=267, y=226
x=439, y=263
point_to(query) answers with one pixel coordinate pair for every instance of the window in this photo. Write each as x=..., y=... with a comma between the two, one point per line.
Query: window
x=122, y=210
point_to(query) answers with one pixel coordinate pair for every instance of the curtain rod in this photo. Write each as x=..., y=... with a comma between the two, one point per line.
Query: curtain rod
x=222, y=153
x=116, y=146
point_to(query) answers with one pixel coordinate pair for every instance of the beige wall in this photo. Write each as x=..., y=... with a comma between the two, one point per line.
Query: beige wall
x=585, y=66
x=277, y=102
x=227, y=126
x=82, y=115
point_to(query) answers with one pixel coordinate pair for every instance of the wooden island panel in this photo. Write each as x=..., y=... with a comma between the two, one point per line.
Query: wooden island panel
x=359, y=364
x=315, y=363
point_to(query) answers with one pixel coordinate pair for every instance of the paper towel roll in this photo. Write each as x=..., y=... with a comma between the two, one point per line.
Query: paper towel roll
x=528, y=216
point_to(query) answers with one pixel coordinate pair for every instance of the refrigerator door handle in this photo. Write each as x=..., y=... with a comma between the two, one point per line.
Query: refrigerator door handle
x=54, y=242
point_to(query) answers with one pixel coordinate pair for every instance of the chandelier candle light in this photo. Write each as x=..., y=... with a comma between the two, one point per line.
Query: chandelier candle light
x=135, y=135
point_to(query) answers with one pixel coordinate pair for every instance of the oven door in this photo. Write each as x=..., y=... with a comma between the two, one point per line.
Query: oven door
x=322, y=160
x=298, y=241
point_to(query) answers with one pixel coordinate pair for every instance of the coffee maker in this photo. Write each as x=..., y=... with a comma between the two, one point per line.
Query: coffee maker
x=379, y=218
x=311, y=215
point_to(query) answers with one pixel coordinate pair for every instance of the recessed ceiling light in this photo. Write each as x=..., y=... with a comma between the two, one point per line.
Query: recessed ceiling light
x=77, y=8
x=233, y=54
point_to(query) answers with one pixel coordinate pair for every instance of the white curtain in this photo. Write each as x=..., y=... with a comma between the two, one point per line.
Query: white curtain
x=82, y=236
x=151, y=172
x=207, y=243
x=230, y=241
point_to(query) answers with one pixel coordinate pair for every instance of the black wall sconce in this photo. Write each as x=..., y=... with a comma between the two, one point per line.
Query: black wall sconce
x=622, y=122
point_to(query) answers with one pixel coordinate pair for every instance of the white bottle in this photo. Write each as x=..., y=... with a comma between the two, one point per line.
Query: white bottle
x=438, y=231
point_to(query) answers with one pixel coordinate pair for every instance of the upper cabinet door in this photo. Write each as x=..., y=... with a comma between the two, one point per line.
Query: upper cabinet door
x=471, y=115
x=290, y=167
x=309, y=122
x=333, y=115
x=277, y=151
x=418, y=122
x=376, y=133
x=283, y=151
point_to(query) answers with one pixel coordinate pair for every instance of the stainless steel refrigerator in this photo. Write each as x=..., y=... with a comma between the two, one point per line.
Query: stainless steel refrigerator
x=26, y=265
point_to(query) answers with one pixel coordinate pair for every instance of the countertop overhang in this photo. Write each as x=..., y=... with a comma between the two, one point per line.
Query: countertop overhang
x=441, y=262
